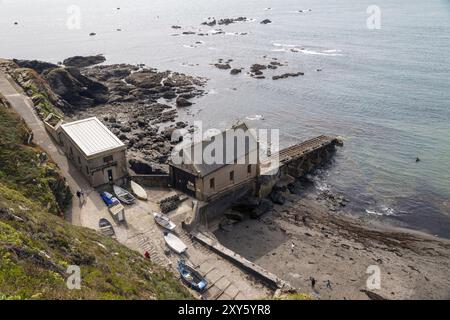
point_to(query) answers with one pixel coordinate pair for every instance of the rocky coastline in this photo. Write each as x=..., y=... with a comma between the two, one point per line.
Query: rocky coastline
x=137, y=103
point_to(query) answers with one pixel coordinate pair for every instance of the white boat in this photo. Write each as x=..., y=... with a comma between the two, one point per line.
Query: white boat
x=164, y=221
x=138, y=191
x=174, y=243
x=123, y=195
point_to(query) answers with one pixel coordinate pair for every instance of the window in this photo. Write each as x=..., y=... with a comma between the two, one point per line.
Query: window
x=212, y=183
x=79, y=160
x=249, y=169
x=232, y=176
x=108, y=159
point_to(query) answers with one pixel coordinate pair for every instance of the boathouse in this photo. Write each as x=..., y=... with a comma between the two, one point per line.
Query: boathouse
x=94, y=150
x=218, y=165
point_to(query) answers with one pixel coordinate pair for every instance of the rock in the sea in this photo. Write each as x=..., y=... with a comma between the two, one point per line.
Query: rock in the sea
x=235, y=71
x=223, y=66
x=266, y=21
x=182, y=102
x=287, y=75
x=82, y=62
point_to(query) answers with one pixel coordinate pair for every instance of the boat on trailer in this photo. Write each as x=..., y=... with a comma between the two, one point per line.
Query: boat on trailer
x=192, y=277
x=115, y=208
x=164, y=221
x=123, y=195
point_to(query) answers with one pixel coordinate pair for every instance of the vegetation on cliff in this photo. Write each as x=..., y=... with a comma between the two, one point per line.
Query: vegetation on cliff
x=36, y=246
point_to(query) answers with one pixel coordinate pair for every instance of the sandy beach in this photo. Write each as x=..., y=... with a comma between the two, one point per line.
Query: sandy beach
x=303, y=239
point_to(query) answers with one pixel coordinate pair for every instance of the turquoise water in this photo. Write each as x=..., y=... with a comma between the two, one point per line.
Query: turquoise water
x=385, y=91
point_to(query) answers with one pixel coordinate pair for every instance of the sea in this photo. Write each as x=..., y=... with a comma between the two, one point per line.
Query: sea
x=376, y=73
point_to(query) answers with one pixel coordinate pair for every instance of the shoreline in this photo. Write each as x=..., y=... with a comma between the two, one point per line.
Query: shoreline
x=338, y=247
x=329, y=245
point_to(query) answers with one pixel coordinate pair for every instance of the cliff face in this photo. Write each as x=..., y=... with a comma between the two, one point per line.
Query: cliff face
x=37, y=247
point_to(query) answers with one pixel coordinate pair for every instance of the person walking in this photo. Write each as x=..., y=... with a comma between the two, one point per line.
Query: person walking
x=329, y=284
x=292, y=247
x=313, y=282
x=79, y=195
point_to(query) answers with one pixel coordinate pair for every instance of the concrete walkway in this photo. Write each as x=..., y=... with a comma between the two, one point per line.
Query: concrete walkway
x=24, y=107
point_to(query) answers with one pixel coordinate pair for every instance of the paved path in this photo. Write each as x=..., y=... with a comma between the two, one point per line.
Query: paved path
x=23, y=105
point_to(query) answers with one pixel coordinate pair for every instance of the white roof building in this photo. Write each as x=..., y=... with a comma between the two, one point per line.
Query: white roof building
x=92, y=137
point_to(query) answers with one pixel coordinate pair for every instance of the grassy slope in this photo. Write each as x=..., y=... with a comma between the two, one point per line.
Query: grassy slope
x=36, y=246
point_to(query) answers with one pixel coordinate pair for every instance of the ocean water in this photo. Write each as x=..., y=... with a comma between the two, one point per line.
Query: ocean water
x=385, y=91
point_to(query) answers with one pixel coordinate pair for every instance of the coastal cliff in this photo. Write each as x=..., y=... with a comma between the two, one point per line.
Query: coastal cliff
x=37, y=246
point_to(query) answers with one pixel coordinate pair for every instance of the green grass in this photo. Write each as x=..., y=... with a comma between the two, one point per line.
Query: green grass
x=38, y=90
x=36, y=246
x=21, y=168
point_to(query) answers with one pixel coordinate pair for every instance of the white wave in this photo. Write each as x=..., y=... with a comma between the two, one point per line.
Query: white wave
x=282, y=47
x=255, y=117
x=384, y=211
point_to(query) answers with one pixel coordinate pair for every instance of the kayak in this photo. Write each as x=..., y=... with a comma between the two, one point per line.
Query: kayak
x=138, y=191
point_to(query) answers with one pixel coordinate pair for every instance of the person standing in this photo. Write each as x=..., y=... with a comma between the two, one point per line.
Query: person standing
x=79, y=195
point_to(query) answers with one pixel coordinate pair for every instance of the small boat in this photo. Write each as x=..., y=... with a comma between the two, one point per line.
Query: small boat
x=115, y=208
x=174, y=243
x=123, y=195
x=109, y=199
x=106, y=227
x=164, y=221
x=191, y=277
x=138, y=191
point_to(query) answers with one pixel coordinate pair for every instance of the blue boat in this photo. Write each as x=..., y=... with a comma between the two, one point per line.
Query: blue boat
x=191, y=277
x=109, y=199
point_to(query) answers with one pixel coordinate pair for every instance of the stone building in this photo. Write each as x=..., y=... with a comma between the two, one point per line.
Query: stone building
x=217, y=166
x=94, y=149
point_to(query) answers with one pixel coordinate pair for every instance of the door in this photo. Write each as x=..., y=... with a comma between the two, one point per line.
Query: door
x=110, y=175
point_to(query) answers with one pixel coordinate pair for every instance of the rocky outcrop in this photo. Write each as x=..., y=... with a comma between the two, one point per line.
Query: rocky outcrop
x=287, y=75
x=83, y=61
x=266, y=21
x=75, y=88
x=36, y=65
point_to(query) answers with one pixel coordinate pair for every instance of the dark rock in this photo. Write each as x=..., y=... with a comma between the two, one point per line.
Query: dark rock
x=222, y=66
x=181, y=102
x=75, y=88
x=266, y=21
x=287, y=75
x=235, y=71
x=257, y=68
x=176, y=27
x=277, y=197
x=38, y=66
x=264, y=207
x=82, y=62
